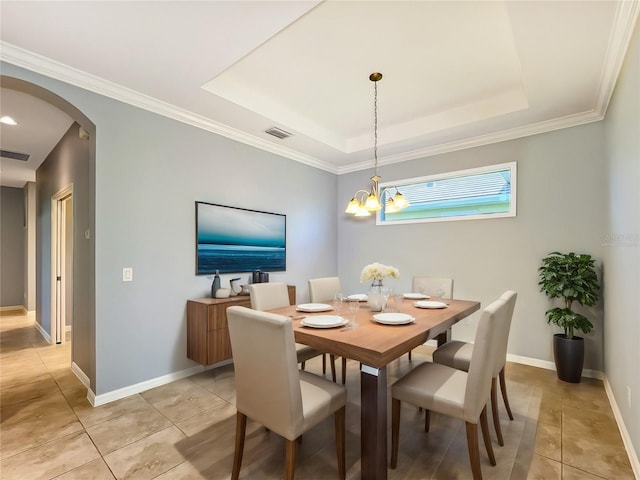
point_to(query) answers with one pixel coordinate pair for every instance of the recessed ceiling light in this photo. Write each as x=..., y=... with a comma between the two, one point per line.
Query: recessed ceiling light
x=8, y=120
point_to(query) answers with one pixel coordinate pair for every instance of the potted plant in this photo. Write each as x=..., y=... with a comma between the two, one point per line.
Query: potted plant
x=573, y=278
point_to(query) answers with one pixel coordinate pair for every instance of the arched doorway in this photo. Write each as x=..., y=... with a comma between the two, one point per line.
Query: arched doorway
x=71, y=163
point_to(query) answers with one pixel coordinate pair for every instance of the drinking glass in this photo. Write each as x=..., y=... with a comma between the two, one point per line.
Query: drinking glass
x=386, y=292
x=354, y=306
x=338, y=303
x=439, y=293
x=393, y=304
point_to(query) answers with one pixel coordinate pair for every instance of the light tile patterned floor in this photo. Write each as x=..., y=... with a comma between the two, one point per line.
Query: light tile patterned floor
x=185, y=430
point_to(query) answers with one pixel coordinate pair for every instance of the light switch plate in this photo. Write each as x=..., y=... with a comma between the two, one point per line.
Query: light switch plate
x=127, y=274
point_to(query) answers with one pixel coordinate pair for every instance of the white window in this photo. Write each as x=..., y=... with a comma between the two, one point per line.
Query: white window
x=477, y=193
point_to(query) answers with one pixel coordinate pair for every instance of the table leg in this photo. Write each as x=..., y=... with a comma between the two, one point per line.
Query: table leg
x=373, y=422
x=444, y=337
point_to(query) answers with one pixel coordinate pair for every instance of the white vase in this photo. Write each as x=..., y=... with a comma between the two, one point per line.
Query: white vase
x=376, y=298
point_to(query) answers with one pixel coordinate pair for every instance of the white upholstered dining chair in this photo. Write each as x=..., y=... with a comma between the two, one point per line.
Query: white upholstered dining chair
x=267, y=296
x=458, y=354
x=273, y=392
x=432, y=286
x=324, y=290
x=449, y=391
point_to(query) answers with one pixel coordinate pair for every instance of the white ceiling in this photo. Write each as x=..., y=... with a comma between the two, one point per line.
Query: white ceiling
x=456, y=74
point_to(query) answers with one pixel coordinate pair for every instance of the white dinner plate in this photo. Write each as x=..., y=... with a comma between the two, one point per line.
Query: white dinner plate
x=416, y=296
x=323, y=321
x=314, y=307
x=358, y=297
x=393, y=318
x=430, y=304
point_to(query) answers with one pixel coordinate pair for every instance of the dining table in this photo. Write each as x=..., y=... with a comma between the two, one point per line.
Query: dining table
x=375, y=345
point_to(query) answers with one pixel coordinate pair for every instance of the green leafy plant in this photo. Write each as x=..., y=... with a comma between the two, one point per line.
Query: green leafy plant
x=574, y=279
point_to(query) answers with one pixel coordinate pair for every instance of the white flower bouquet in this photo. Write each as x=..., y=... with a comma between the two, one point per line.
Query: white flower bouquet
x=377, y=271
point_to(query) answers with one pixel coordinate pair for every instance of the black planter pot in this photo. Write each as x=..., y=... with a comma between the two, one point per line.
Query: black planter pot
x=569, y=357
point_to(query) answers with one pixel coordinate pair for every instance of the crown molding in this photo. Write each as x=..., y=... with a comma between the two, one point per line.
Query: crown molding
x=481, y=140
x=59, y=71
x=624, y=24
x=622, y=32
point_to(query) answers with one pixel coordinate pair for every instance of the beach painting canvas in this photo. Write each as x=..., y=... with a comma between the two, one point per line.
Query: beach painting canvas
x=235, y=240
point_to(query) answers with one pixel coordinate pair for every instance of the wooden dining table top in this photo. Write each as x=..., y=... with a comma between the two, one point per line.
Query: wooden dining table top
x=372, y=343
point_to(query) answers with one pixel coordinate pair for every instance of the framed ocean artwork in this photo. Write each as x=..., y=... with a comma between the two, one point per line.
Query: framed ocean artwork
x=236, y=240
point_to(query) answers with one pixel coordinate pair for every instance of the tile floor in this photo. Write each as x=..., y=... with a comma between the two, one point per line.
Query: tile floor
x=185, y=430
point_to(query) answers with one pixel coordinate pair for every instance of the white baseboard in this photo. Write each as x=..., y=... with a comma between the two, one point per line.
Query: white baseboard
x=43, y=332
x=91, y=396
x=219, y=364
x=101, y=399
x=81, y=375
x=536, y=362
x=626, y=438
x=23, y=311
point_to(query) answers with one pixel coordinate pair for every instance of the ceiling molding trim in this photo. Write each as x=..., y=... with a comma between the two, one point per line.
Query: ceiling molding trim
x=627, y=16
x=59, y=71
x=481, y=140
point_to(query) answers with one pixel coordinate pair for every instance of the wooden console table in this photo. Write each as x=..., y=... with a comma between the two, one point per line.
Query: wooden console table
x=207, y=331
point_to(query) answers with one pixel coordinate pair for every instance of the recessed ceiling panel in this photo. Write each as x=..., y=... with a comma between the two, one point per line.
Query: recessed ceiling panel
x=427, y=58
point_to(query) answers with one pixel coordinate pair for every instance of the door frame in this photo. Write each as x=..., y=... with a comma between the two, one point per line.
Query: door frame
x=59, y=239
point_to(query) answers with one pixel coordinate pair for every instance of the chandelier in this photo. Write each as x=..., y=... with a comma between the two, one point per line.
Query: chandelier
x=364, y=202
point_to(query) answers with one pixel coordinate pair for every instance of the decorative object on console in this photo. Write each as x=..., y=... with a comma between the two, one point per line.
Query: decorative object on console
x=215, y=285
x=223, y=293
x=234, y=240
x=364, y=202
x=233, y=288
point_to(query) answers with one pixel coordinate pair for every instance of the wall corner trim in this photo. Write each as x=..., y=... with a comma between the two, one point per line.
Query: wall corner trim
x=624, y=433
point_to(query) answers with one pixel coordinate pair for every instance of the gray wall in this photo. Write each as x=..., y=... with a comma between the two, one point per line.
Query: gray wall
x=149, y=171
x=12, y=247
x=30, y=247
x=67, y=164
x=561, y=205
x=622, y=242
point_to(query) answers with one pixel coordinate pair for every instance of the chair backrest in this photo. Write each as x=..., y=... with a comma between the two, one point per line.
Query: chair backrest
x=266, y=370
x=503, y=332
x=266, y=296
x=323, y=289
x=430, y=285
x=483, y=358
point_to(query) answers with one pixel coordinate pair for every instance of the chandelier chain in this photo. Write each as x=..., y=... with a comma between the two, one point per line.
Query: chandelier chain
x=375, y=125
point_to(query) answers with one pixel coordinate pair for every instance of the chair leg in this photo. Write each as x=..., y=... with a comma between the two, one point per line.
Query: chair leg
x=324, y=364
x=241, y=428
x=503, y=389
x=485, y=435
x=344, y=370
x=395, y=431
x=332, y=361
x=427, y=420
x=409, y=355
x=302, y=365
x=290, y=459
x=494, y=411
x=340, y=441
x=474, y=453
